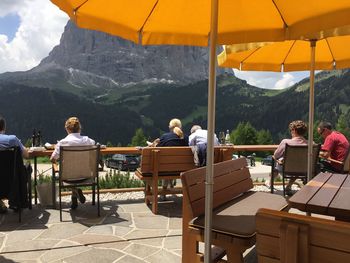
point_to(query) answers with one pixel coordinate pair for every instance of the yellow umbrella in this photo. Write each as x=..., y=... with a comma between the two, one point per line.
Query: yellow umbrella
x=200, y=22
x=326, y=54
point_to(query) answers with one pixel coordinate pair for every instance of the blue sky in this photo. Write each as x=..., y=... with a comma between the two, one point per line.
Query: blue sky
x=9, y=25
x=29, y=29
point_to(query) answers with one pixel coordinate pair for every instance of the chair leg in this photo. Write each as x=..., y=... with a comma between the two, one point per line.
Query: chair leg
x=93, y=194
x=98, y=200
x=154, y=196
x=283, y=185
x=59, y=189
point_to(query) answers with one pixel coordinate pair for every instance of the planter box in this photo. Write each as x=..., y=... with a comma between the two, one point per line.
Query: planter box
x=44, y=191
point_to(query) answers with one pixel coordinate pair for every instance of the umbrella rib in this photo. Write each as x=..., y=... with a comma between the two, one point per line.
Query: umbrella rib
x=290, y=50
x=76, y=9
x=242, y=62
x=284, y=22
x=144, y=23
x=330, y=50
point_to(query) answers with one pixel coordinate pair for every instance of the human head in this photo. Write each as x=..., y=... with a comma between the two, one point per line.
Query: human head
x=72, y=125
x=2, y=124
x=298, y=126
x=175, y=123
x=195, y=127
x=324, y=128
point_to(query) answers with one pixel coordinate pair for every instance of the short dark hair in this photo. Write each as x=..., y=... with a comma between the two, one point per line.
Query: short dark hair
x=2, y=123
x=325, y=125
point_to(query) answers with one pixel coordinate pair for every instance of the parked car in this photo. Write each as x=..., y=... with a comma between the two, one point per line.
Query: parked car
x=235, y=156
x=123, y=162
x=267, y=160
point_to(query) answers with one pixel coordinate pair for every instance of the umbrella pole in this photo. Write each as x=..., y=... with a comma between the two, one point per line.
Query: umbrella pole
x=311, y=111
x=211, y=127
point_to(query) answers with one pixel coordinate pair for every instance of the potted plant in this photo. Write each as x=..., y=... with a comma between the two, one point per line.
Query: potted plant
x=44, y=190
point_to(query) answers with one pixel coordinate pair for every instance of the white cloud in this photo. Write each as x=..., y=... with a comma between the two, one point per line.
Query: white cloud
x=271, y=80
x=286, y=81
x=40, y=29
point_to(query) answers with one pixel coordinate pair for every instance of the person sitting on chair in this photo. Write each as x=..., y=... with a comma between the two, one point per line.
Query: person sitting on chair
x=335, y=147
x=74, y=138
x=297, y=130
x=7, y=141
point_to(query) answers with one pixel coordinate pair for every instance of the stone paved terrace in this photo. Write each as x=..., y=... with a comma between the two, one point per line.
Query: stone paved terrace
x=127, y=231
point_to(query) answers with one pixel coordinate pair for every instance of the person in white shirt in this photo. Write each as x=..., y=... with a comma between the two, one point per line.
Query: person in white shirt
x=198, y=139
x=200, y=136
x=74, y=138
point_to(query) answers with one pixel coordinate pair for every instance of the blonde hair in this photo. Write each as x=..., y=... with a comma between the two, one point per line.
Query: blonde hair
x=178, y=132
x=175, y=123
x=72, y=125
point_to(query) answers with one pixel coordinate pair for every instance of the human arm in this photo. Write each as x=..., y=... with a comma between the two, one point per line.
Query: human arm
x=280, y=150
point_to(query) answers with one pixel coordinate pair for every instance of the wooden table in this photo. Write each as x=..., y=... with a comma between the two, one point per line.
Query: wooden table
x=326, y=194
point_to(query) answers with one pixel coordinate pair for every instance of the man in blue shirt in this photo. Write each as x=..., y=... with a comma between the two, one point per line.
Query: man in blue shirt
x=7, y=141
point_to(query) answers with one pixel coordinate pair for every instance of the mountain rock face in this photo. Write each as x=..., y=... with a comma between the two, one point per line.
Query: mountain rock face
x=86, y=58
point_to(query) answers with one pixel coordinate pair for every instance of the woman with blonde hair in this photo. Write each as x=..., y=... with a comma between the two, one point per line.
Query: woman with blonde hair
x=74, y=138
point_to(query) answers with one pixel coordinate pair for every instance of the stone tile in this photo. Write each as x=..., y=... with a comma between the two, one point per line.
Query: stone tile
x=140, y=251
x=147, y=236
x=28, y=250
x=150, y=221
x=175, y=223
x=121, y=231
x=120, y=219
x=94, y=255
x=137, y=207
x=129, y=259
x=101, y=229
x=63, y=231
x=173, y=240
x=164, y=255
x=107, y=241
x=62, y=250
x=21, y=235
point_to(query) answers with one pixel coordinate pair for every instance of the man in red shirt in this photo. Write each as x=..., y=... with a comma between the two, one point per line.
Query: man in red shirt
x=335, y=147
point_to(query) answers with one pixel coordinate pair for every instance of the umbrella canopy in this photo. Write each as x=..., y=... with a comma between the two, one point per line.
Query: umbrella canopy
x=184, y=22
x=331, y=53
x=325, y=54
x=210, y=22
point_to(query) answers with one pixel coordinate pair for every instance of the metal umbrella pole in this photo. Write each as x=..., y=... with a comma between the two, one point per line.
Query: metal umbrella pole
x=311, y=110
x=211, y=127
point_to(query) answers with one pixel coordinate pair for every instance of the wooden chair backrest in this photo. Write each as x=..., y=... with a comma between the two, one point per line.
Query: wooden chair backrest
x=291, y=238
x=346, y=165
x=174, y=159
x=231, y=178
x=295, y=159
x=79, y=162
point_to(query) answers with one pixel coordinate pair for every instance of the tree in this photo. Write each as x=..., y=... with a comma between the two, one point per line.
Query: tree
x=264, y=137
x=245, y=133
x=139, y=139
x=342, y=126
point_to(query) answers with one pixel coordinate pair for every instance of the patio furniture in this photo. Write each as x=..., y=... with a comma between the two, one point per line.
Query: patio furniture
x=166, y=163
x=294, y=164
x=78, y=167
x=15, y=180
x=291, y=238
x=345, y=164
x=235, y=206
x=326, y=194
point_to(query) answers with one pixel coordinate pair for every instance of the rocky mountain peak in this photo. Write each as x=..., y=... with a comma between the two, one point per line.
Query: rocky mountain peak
x=92, y=53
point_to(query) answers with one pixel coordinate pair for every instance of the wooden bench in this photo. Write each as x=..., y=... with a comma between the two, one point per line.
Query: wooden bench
x=291, y=238
x=158, y=163
x=235, y=206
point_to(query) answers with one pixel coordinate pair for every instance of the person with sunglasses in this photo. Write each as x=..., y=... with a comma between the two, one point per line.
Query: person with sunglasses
x=334, y=148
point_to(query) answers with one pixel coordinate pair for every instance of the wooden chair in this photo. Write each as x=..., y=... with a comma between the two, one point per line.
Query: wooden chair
x=15, y=179
x=290, y=238
x=78, y=166
x=294, y=164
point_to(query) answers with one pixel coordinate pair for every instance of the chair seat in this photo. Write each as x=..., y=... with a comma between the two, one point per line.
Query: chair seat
x=78, y=181
x=237, y=217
